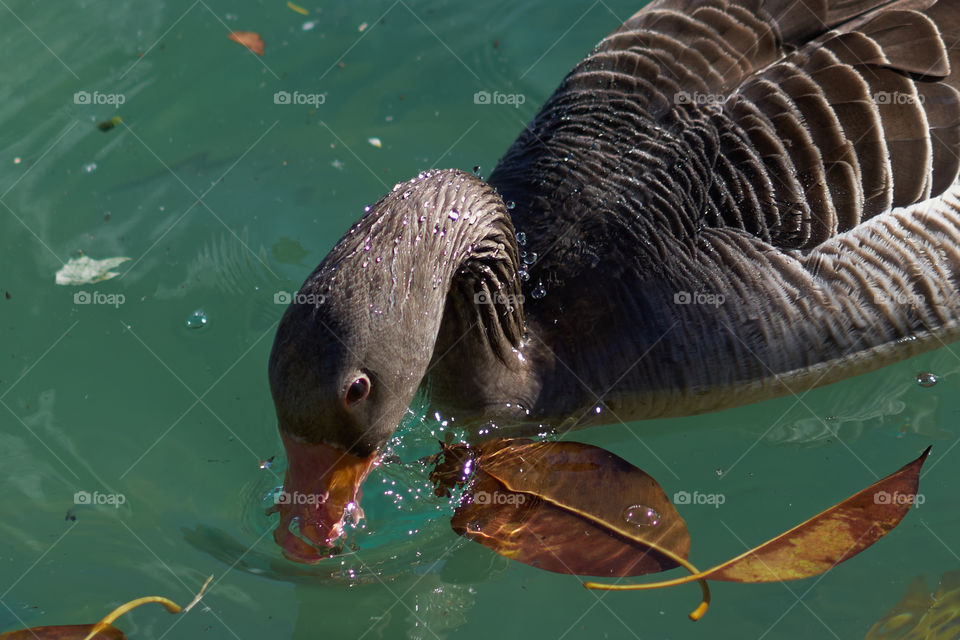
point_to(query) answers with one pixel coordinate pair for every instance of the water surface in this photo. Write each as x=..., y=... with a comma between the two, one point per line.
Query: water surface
x=223, y=200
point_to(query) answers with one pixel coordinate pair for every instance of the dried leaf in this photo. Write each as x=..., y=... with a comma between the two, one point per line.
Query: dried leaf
x=820, y=543
x=250, y=39
x=829, y=538
x=86, y=270
x=568, y=507
x=297, y=8
x=103, y=630
x=64, y=632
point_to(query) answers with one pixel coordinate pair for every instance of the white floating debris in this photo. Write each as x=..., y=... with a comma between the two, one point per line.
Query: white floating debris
x=375, y=142
x=362, y=27
x=308, y=25
x=86, y=270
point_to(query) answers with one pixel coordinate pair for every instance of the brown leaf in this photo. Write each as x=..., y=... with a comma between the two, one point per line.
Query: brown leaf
x=820, y=543
x=105, y=628
x=250, y=39
x=829, y=538
x=64, y=632
x=567, y=507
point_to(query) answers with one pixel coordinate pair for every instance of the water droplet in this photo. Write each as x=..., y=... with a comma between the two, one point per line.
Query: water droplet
x=476, y=170
x=927, y=379
x=539, y=292
x=454, y=214
x=511, y=204
x=521, y=238
x=530, y=258
x=197, y=319
x=366, y=209
x=641, y=515
x=719, y=472
x=524, y=275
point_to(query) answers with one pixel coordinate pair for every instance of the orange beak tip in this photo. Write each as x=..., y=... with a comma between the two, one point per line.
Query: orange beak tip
x=321, y=491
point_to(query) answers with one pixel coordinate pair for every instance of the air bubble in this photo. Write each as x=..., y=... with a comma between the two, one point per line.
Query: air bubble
x=197, y=319
x=927, y=379
x=641, y=515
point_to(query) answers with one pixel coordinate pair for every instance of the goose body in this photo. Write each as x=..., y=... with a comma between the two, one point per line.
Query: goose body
x=725, y=201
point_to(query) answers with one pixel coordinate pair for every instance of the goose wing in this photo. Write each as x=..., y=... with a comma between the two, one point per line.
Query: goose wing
x=797, y=159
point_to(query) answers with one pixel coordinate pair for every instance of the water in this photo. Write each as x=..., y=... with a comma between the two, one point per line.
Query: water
x=225, y=200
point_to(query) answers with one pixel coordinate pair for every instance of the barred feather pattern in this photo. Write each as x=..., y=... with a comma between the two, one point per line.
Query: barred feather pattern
x=739, y=199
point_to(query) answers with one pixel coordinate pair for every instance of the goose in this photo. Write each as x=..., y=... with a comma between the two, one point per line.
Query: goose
x=725, y=201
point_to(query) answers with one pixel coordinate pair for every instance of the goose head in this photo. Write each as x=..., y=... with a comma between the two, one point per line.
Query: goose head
x=395, y=294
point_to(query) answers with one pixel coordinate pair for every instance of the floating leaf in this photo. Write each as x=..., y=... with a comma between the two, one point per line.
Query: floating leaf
x=64, y=632
x=102, y=630
x=569, y=507
x=565, y=507
x=86, y=270
x=106, y=125
x=250, y=39
x=297, y=8
x=820, y=543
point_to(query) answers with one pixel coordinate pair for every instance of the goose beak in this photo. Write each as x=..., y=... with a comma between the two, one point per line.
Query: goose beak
x=321, y=489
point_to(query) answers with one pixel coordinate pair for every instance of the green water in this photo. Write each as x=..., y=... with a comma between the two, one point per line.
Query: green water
x=222, y=198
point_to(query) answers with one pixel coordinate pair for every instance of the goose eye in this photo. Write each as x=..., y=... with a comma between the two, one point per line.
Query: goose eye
x=357, y=391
